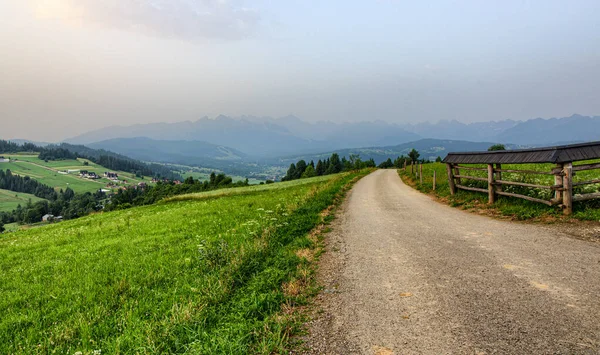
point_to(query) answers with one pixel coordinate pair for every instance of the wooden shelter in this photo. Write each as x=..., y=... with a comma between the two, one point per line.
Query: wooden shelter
x=563, y=156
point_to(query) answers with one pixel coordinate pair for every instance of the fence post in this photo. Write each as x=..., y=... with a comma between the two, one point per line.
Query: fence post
x=421, y=173
x=491, y=187
x=451, y=179
x=457, y=172
x=412, y=165
x=434, y=178
x=405, y=165
x=498, y=177
x=568, y=188
x=558, y=180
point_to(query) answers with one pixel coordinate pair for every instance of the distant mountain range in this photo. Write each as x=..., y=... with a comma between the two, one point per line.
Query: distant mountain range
x=428, y=149
x=227, y=143
x=164, y=151
x=261, y=137
x=191, y=153
x=22, y=141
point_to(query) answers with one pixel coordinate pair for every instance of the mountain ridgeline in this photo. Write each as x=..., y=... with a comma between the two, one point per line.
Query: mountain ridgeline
x=247, y=138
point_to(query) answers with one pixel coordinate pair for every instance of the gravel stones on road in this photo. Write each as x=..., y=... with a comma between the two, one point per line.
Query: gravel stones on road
x=403, y=274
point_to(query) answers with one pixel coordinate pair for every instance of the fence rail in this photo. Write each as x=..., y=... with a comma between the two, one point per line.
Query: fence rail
x=563, y=183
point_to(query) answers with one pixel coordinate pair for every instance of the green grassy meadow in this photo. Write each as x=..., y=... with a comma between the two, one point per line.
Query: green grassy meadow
x=9, y=200
x=48, y=172
x=509, y=206
x=200, y=274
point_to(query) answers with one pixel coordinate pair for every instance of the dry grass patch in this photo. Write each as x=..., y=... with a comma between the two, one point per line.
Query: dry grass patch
x=305, y=254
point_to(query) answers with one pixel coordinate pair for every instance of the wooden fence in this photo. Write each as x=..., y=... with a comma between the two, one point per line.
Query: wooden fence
x=562, y=187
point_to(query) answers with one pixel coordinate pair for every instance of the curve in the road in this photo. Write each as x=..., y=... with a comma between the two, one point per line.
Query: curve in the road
x=405, y=274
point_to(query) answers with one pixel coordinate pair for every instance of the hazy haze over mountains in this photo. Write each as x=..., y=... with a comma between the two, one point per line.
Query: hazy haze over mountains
x=260, y=137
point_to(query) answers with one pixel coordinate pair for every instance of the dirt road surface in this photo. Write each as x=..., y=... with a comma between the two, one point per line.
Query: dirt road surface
x=404, y=274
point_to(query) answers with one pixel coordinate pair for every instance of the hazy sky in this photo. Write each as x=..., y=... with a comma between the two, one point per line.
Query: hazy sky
x=69, y=66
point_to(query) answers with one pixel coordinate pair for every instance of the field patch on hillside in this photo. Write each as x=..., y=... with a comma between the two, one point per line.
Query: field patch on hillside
x=202, y=275
x=9, y=200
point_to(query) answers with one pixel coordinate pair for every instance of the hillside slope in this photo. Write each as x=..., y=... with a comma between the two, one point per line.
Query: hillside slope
x=9, y=200
x=204, y=275
x=55, y=173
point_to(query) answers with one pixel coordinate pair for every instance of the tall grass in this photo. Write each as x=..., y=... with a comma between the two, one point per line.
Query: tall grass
x=508, y=206
x=196, y=276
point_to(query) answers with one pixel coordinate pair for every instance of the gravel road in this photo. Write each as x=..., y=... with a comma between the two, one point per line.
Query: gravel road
x=404, y=274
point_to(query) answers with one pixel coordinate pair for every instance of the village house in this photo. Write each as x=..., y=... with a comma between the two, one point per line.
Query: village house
x=4, y=160
x=111, y=175
x=88, y=174
x=47, y=217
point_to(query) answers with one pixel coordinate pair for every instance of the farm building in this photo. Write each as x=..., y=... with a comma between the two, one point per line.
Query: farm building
x=4, y=160
x=47, y=217
x=111, y=175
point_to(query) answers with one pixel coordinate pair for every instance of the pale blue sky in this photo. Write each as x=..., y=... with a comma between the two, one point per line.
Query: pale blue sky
x=69, y=66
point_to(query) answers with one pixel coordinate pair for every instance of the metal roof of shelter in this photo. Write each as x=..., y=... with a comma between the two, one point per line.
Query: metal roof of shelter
x=558, y=154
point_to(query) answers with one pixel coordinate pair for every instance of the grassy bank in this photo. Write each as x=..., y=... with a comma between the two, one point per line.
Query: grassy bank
x=507, y=206
x=205, y=274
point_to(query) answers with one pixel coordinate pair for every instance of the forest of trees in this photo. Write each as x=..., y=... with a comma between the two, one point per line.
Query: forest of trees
x=11, y=147
x=25, y=184
x=66, y=203
x=53, y=153
x=331, y=165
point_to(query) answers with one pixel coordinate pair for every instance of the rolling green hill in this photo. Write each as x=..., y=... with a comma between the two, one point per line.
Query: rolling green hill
x=204, y=273
x=52, y=173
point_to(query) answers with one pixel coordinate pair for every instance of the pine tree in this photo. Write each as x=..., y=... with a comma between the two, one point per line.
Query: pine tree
x=300, y=167
x=320, y=169
x=414, y=155
x=291, y=173
x=335, y=164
